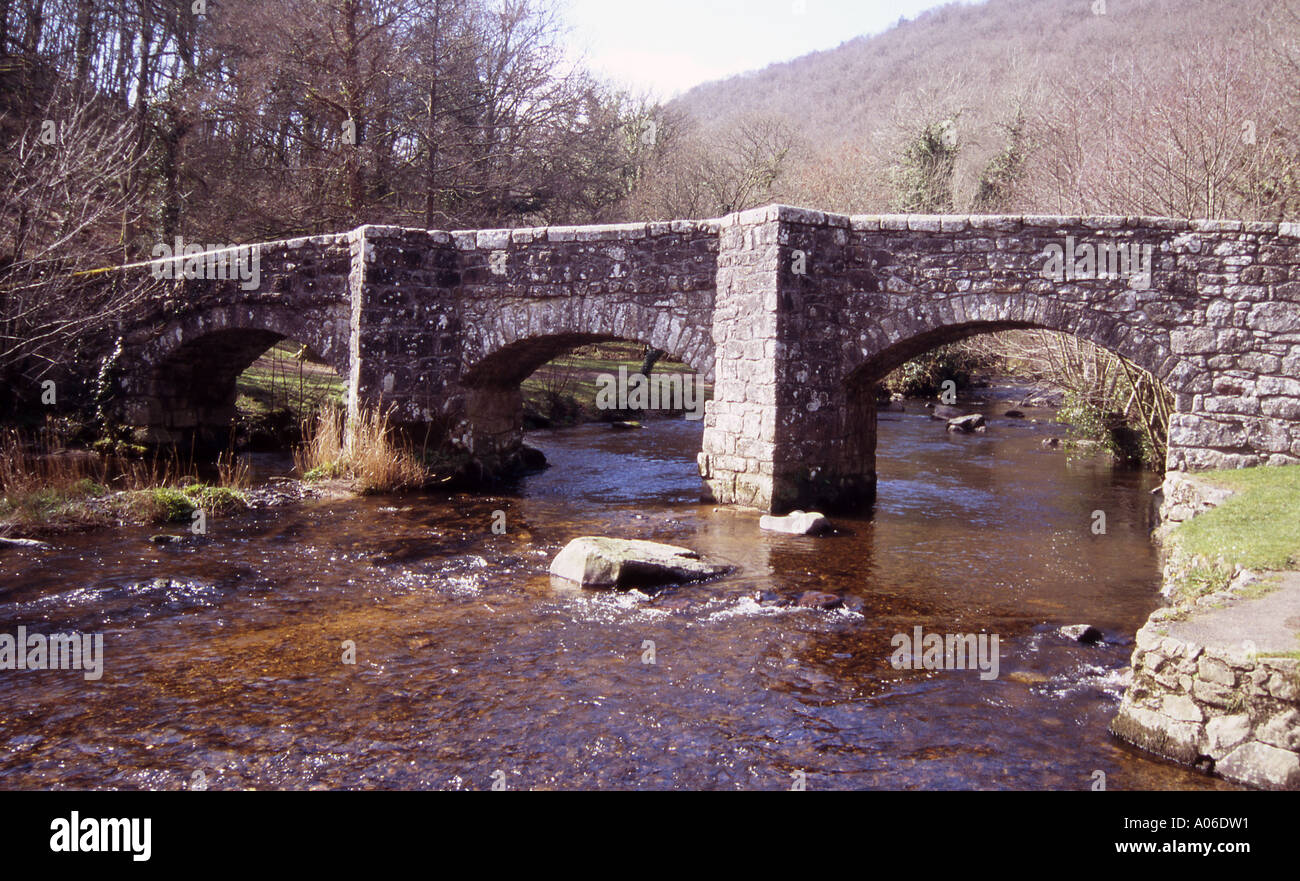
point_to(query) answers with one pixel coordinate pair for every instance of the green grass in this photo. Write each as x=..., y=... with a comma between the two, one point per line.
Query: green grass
x=216, y=500
x=279, y=379
x=1258, y=527
x=47, y=503
x=169, y=504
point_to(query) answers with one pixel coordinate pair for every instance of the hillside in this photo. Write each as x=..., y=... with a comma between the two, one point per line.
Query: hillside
x=1101, y=97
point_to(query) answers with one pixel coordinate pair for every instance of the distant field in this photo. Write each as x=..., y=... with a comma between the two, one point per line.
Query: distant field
x=280, y=380
x=574, y=375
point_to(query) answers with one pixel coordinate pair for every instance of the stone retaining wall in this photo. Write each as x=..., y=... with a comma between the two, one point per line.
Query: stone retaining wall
x=1223, y=709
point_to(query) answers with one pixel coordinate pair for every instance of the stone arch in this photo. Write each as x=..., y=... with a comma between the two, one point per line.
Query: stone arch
x=501, y=353
x=881, y=342
x=180, y=380
x=522, y=337
x=886, y=342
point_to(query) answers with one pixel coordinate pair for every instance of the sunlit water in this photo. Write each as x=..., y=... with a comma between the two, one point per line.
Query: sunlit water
x=224, y=657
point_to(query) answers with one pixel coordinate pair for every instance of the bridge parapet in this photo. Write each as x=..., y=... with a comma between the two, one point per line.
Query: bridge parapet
x=794, y=314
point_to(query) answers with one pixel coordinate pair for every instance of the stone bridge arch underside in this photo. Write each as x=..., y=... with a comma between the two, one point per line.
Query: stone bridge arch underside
x=181, y=355
x=793, y=314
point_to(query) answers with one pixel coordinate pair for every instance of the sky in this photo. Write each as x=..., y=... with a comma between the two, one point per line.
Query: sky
x=664, y=47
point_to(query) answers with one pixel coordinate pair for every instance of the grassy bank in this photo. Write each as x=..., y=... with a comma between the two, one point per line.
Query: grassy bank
x=1256, y=528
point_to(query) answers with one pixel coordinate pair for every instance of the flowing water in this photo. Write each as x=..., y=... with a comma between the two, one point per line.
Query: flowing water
x=225, y=657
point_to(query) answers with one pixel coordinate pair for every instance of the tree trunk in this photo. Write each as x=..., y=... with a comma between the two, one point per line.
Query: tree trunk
x=431, y=130
x=85, y=41
x=652, y=356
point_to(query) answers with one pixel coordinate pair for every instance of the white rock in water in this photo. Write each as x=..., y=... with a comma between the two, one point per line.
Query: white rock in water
x=968, y=423
x=1084, y=633
x=594, y=561
x=23, y=543
x=796, y=523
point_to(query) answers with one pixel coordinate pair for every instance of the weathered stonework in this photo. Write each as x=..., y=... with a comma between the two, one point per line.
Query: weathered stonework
x=1221, y=709
x=1202, y=697
x=794, y=315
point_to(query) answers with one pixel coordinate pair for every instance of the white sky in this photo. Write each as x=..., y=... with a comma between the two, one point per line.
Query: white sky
x=664, y=47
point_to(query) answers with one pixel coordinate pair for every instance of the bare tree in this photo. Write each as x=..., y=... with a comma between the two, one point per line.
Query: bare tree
x=63, y=207
x=710, y=173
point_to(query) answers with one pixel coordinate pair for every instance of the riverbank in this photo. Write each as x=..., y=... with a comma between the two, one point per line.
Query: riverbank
x=91, y=507
x=1216, y=674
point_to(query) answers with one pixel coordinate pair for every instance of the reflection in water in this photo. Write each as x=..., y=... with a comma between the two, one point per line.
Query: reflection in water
x=226, y=656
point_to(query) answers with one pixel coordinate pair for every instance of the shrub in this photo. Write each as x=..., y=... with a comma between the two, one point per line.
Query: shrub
x=168, y=505
x=924, y=376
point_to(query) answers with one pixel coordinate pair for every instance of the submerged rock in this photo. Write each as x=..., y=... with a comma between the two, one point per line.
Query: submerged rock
x=1084, y=633
x=1026, y=677
x=796, y=523
x=817, y=599
x=1014, y=414
x=595, y=561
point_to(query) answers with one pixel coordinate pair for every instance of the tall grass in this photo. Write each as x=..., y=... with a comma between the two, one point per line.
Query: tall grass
x=365, y=451
x=45, y=485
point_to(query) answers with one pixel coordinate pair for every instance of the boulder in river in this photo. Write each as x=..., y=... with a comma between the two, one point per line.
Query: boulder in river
x=943, y=411
x=1084, y=633
x=596, y=561
x=796, y=523
x=966, y=424
x=1014, y=414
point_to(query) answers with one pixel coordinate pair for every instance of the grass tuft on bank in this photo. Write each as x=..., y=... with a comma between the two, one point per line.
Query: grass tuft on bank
x=367, y=453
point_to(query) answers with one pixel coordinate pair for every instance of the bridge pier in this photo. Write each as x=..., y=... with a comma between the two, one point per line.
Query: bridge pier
x=493, y=426
x=783, y=430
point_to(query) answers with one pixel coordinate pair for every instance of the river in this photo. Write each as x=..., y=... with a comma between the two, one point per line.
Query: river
x=225, y=657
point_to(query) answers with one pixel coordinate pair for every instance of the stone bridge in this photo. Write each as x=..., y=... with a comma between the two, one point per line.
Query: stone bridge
x=794, y=315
